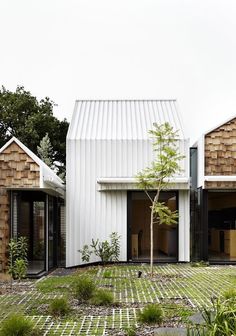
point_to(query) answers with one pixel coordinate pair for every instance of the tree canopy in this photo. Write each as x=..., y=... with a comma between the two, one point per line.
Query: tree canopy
x=29, y=120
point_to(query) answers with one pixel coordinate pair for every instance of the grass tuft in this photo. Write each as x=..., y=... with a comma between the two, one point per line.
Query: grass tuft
x=84, y=288
x=102, y=298
x=151, y=314
x=59, y=307
x=18, y=325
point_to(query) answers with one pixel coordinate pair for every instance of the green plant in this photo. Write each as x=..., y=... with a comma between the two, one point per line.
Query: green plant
x=18, y=325
x=84, y=288
x=220, y=320
x=115, y=246
x=59, y=307
x=200, y=263
x=104, y=250
x=152, y=313
x=130, y=331
x=86, y=253
x=17, y=261
x=229, y=294
x=102, y=298
x=107, y=273
x=20, y=269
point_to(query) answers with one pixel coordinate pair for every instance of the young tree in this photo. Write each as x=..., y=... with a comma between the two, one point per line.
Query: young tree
x=156, y=177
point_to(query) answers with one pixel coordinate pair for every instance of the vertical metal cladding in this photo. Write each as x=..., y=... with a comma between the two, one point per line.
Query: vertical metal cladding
x=109, y=139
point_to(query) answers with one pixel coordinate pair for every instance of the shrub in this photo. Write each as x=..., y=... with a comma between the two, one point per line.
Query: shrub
x=20, y=269
x=220, y=320
x=152, y=313
x=104, y=250
x=229, y=294
x=59, y=307
x=18, y=325
x=84, y=288
x=107, y=274
x=102, y=298
x=17, y=261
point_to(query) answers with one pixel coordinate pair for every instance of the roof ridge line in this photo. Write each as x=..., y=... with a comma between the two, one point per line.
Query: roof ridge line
x=122, y=100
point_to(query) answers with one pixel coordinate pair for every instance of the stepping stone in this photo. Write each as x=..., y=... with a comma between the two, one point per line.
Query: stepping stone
x=170, y=332
x=197, y=318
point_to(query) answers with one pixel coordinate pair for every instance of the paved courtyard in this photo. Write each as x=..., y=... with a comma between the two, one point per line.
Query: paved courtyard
x=180, y=289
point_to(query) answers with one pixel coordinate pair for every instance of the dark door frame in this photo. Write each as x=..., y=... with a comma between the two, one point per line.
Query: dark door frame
x=129, y=225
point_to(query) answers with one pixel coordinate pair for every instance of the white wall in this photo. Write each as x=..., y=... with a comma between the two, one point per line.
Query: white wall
x=95, y=214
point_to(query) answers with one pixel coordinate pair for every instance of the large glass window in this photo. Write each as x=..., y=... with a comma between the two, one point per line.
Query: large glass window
x=222, y=226
x=165, y=236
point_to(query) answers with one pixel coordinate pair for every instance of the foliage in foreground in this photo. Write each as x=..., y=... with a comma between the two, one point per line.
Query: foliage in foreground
x=151, y=314
x=130, y=331
x=220, y=320
x=59, y=307
x=84, y=288
x=18, y=325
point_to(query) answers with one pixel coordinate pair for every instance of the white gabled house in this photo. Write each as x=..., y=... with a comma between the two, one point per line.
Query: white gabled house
x=107, y=145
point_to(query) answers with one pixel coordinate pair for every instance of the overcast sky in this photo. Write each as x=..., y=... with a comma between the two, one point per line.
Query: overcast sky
x=75, y=49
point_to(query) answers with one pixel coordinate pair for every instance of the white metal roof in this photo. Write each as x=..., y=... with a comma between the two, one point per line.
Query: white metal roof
x=122, y=119
x=48, y=178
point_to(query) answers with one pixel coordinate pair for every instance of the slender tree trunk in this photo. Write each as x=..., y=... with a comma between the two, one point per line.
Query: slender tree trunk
x=151, y=229
x=151, y=241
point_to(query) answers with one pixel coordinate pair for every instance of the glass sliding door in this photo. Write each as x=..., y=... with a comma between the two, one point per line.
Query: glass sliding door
x=37, y=262
x=37, y=216
x=29, y=220
x=165, y=236
x=222, y=226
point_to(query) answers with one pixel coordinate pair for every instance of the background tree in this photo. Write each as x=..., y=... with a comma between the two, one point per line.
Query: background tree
x=156, y=177
x=45, y=151
x=23, y=116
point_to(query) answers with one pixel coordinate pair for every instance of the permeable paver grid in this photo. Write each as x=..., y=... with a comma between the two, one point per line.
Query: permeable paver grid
x=194, y=286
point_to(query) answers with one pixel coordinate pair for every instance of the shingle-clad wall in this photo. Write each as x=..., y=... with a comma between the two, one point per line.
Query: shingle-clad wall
x=17, y=170
x=220, y=150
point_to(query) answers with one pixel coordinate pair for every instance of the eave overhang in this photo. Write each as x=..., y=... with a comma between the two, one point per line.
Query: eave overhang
x=130, y=183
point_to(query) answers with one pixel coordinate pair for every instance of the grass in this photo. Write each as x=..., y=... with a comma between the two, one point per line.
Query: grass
x=59, y=307
x=57, y=284
x=18, y=325
x=102, y=298
x=151, y=314
x=178, y=289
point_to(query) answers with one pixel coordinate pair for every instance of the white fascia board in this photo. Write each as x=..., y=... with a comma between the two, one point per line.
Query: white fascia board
x=221, y=178
x=109, y=180
x=124, y=183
